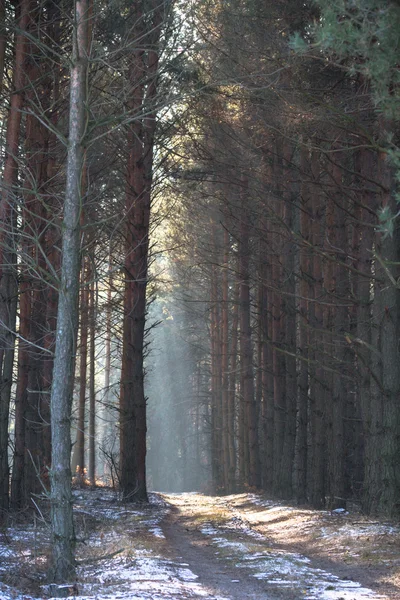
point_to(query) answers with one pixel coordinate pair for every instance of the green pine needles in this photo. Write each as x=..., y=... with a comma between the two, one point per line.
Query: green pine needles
x=364, y=36
x=366, y=33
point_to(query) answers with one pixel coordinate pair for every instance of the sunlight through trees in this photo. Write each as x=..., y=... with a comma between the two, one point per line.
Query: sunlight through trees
x=199, y=253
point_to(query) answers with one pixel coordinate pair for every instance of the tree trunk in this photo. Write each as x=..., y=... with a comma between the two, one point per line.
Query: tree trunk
x=337, y=239
x=246, y=350
x=363, y=244
x=8, y=276
x=278, y=330
x=303, y=334
x=92, y=387
x=63, y=536
x=53, y=229
x=109, y=418
x=317, y=454
x=78, y=462
x=216, y=390
x=387, y=323
x=225, y=363
x=3, y=41
x=285, y=482
x=233, y=352
x=17, y=481
x=138, y=199
x=37, y=414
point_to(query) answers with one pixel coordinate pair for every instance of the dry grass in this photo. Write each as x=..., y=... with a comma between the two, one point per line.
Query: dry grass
x=363, y=548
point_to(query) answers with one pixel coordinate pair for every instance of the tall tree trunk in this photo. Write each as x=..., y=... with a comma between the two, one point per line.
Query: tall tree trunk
x=278, y=328
x=303, y=334
x=37, y=415
x=78, y=462
x=63, y=536
x=52, y=232
x=338, y=242
x=8, y=277
x=92, y=386
x=216, y=390
x=386, y=446
x=363, y=244
x=3, y=41
x=133, y=425
x=225, y=363
x=317, y=418
x=268, y=407
x=109, y=418
x=246, y=350
x=233, y=352
x=17, y=481
x=285, y=485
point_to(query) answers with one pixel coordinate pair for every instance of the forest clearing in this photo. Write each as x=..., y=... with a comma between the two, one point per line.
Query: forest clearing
x=191, y=545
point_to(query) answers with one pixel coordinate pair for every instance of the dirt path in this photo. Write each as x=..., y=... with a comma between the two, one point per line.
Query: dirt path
x=236, y=555
x=216, y=576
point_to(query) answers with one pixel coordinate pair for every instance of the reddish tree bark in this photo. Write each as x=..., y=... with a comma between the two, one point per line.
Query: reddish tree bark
x=8, y=280
x=225, y=364
x=303, y=332
x=143, y=69
x=317, y=454
x=246, y=351
x=340, y=291
x=233, y=360
x=384, y=444
x=284, y=479
x=278, y=322
x=216, y=381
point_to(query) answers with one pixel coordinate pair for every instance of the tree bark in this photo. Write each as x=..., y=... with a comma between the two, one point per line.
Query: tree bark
x=3, y=41
x=216, y=380
x=233, y=352
x=363, y=244
x=246, y=350
x=8, y=275
x=285, y=479
x=317, y=455
x=303, y=333
x=225, y=364
x=17, y=480
x=387, y=323
x=78, y=462
x=92, y=386
x=278, y=326
x=338, y=241
x=63, y=536
x=133, y=425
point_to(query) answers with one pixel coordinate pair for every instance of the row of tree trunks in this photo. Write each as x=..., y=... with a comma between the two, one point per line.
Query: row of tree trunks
x=320, y=331
x=38, y=257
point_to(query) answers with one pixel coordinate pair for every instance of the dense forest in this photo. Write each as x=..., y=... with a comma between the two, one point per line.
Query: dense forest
x=199, y=252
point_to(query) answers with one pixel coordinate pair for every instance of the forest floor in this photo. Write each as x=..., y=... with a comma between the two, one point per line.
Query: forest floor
x=237, y=547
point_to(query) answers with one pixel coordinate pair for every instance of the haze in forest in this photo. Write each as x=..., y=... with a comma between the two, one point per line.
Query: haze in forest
x=199, y=253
